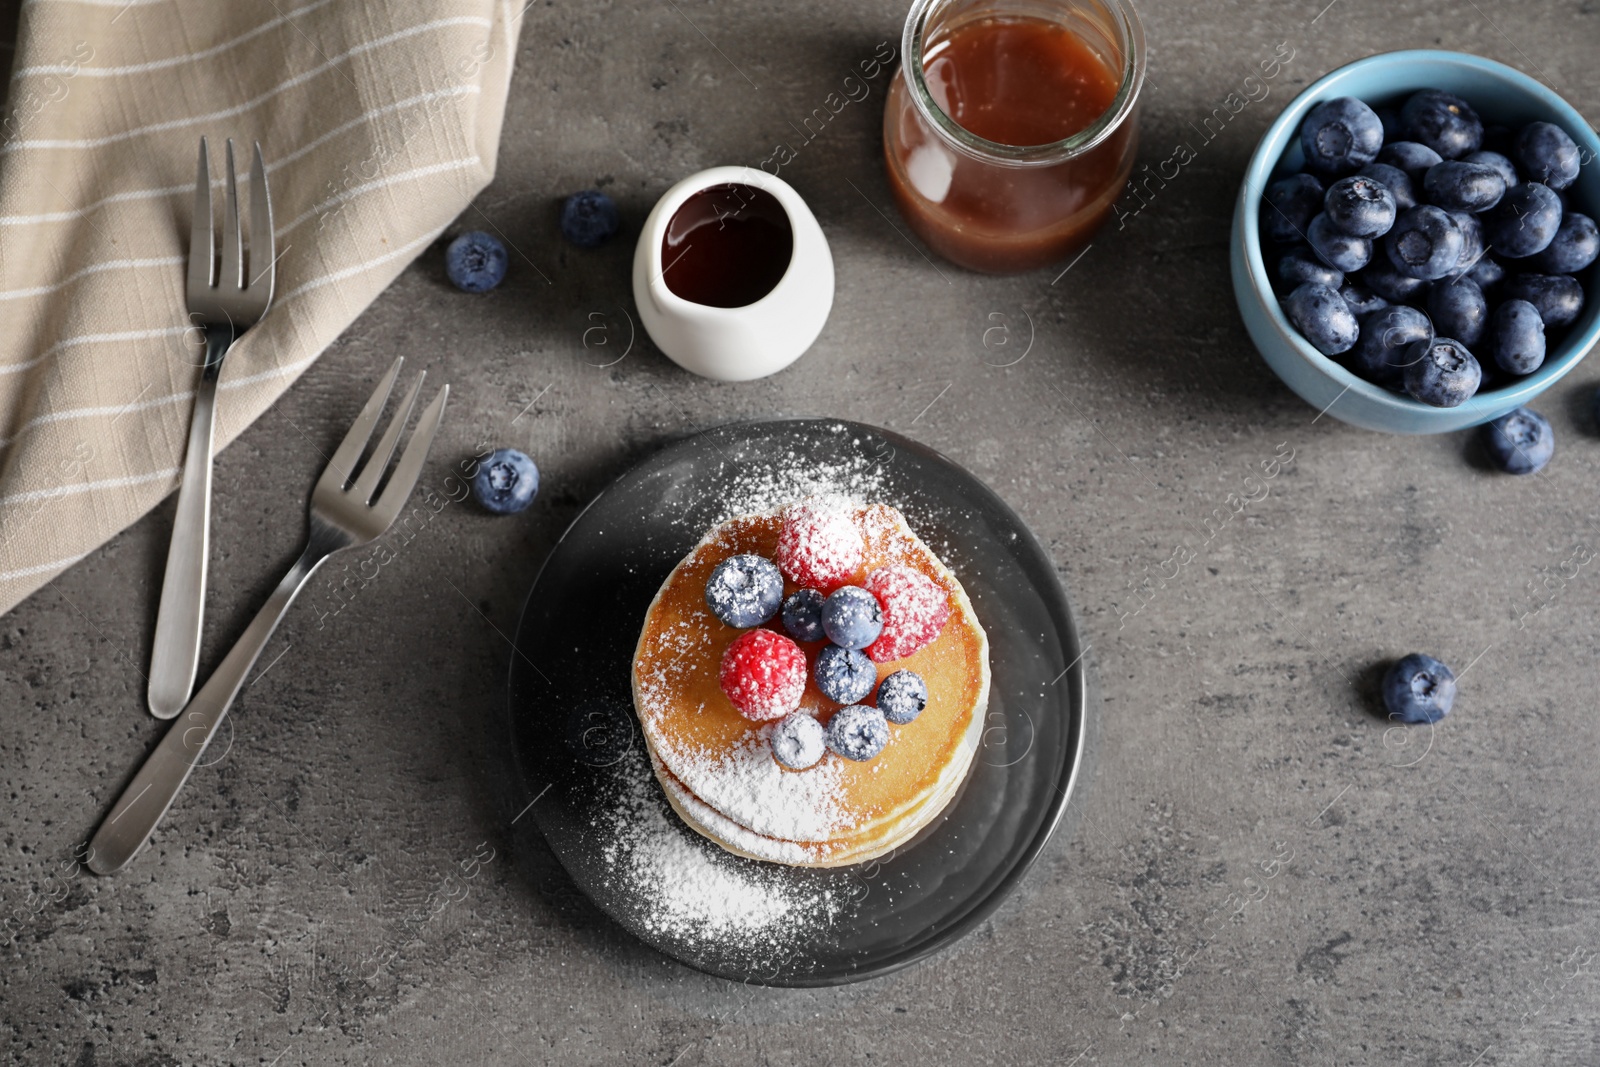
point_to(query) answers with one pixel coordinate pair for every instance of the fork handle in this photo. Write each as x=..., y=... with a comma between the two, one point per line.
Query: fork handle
x=175, y=657
x=146, y=799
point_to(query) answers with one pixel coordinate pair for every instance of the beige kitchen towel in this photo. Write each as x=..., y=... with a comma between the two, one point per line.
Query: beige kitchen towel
x=379, y=121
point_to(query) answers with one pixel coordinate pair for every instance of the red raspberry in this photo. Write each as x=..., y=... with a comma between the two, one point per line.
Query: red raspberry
x=915, y=609
x=819, y=547
x=763, y=673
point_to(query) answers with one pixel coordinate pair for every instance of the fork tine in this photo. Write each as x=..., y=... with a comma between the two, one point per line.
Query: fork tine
x=202, y=237
x=232, y=261
x=406, y=471
x=263, y=246
x=378, y=462
x=341, y=468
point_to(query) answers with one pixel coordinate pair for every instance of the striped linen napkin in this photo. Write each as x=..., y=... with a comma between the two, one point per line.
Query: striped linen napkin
x=379, y=124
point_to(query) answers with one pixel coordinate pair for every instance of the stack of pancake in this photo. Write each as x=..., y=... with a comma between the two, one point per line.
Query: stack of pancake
x=716, y=766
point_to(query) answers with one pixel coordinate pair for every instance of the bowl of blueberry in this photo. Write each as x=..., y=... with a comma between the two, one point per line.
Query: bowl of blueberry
x=1414, y=242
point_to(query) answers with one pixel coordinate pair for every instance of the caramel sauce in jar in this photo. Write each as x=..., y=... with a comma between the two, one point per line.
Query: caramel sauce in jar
x=1012, y=127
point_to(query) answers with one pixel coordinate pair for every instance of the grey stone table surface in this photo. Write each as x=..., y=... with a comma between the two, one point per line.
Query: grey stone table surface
x=1258, y=868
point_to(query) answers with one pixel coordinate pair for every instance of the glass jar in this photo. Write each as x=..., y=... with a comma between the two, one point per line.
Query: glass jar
x=1012, y=126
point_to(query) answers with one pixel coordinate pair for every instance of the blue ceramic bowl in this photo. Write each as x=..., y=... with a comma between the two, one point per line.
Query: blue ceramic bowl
x=1502, y=96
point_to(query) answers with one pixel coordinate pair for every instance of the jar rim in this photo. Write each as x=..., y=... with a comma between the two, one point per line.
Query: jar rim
x=970, y=144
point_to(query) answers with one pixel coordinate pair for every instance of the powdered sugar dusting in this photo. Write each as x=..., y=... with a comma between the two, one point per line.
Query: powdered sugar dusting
x=772, y=801
x=697, y=893
x=765, y=483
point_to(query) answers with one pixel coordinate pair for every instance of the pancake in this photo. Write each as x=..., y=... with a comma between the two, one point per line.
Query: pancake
x=716, y=766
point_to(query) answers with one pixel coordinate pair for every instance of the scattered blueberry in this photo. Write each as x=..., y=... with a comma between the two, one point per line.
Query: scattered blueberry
x=902, y=696
x=1559, y=297
x=1323, y=317
x=589, y=219
x=475, y=262
x=857, y=732
x=1360, y=207
x=1458, y=310
x=1425, y=243
x=1392, y=178
x=1546, y=154
x=1524, y=221
x=1341, y=136
x=1456, y=185
x=1500, y=163
x=1516, y=337
x=1301, y=265
x=798, y=741
x=1419, y=689
x=802, y=615
x=1443, y=122
x=745, y=590
x=1336, y=249
x=1441, y=372
x=1520, y=441
x=852, y=617
x=1382, y=278
x=1386, y=339
x=1574, y=247
x=844, y=674
x=506, y=482
x=1487, y=272
x=1288, y=206
x=1409, y=156
x=1360, y=299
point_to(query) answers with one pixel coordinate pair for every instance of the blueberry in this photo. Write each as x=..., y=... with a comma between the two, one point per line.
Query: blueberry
x=1338, y=250
x=1441, y=372
x=802, y=615
x=852, y=617
x=475, y=262
x=1558, y=297
x=1472, y=248
x=1502, y=164
x=1524, y=222
x=1487, y=272
x=1419, y=689
x=1516, y=337
x=1392, y=178
x=1546, y=154
x=1458, y=310
x=1386, y=339
x=506, y=482
x=589, y=219
x=1456, y=185
x=1381, y=277
x=1409, y=156
x=745, y=590
x=1360, y=299
x=1443, y=122
x=857, y=732
x=1322, y=316
x=902, y=696
x=798, y=741
x=1287, y=207
x=844, y=675
x=1301, y=265
x=1360, y=207
x=1520, y=441
x=1341, y=136
x=1425, y=243
x=1573, y=248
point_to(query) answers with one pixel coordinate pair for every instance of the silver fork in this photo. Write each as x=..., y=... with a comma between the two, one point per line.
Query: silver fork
x=339, y=518
x=224, y=306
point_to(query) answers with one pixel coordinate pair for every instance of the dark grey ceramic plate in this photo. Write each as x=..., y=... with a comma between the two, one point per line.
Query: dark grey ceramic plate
x=577, y=746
